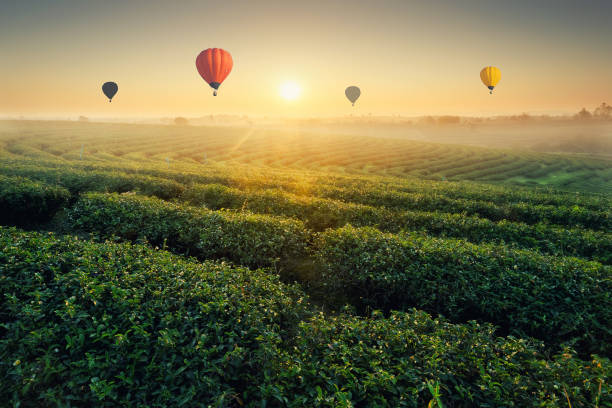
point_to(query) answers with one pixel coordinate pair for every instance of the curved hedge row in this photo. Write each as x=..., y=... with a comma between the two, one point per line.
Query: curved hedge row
x=319, y=214
x=555, y=299
x=79, y=181
x=163, y=184
x=88, y=324
x=308, y=183
x=520, y=212
x=24, y=202
x=244, y=238
x=594, y=245
x=500, y=194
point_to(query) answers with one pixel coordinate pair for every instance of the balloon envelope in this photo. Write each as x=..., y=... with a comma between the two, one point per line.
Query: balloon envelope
x=214, y=65
x=490, y=76
x=110, y=89
x=352, y=93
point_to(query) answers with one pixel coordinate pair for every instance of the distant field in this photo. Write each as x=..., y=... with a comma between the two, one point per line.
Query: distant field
x=300, y=150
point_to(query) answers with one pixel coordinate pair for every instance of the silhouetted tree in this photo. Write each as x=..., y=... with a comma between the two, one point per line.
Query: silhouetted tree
x=522, y=117
x=583, y=114
x=603, y=111
x=448, y=120
x=83, y=119
x=181, y=121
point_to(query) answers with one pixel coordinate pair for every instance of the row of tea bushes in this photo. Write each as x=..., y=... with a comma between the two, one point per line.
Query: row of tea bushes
x=243, y=238
x=521, y=212
x=555, y=299
x=86, y=324
x=27, y=202
x=318, y=184
x=428, y=196
x=551, y=239
x=319, y=214
x=78, y=180
x=499, y=194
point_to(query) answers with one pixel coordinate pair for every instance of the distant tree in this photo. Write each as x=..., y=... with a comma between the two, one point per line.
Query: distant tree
x=448, y=120
x=522, y=117
x=181, y=121
x=603, y=111
x=83, y=119
x=583, y=114
x=427, y=120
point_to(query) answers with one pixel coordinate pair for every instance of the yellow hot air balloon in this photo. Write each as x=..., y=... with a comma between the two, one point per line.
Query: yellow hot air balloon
x=490, y=77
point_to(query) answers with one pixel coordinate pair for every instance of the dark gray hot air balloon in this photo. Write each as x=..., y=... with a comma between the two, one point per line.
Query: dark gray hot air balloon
x=110, y=89
x=352, y=93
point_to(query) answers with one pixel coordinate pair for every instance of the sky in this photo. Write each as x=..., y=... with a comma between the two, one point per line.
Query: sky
x=408, y=57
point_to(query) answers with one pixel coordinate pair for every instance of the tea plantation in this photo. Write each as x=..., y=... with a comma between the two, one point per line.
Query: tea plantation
x=258, y=280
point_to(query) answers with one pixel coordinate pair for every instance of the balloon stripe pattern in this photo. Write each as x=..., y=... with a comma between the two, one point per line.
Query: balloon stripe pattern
x=214, y=65
x=490, y=76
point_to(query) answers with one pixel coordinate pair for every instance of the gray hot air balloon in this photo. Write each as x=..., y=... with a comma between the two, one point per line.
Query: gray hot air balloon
x=352, y=93
x=110, y=89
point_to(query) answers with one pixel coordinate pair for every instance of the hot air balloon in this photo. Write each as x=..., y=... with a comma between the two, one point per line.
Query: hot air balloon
x=214, y=65
x=490, y=77
x=110, y=89
x=352, y=93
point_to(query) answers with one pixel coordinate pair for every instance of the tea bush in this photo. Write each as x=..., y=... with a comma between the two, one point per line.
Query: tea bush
x=243, y=238
x=79, y=181
x=84, y=324
x=574, y=216
x=346, y=361
x=319, y=214
x=555, y=299
x=551, y=239
x=26, y=202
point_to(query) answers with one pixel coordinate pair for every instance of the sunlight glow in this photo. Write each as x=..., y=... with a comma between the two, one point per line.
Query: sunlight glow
x=290, y=90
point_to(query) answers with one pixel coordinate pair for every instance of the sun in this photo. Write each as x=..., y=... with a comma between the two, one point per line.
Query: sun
x=290, y=90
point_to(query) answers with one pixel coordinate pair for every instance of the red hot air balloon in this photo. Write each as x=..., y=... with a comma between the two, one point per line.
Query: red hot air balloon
x=214, y=65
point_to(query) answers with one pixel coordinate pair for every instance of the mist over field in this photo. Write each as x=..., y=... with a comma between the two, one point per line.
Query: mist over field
x=565, y=152
x=544, y=133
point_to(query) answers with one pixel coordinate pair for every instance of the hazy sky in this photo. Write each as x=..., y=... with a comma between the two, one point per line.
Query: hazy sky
x=408, y=57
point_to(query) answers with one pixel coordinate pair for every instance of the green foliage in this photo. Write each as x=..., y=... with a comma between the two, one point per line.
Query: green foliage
x=399, y=361
x=85, y=324
x=84, y=180
x=595, y=245
x=555, y=299
x=26, y=202
x=319, y=214
x=521, y=212
x=243, y=238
